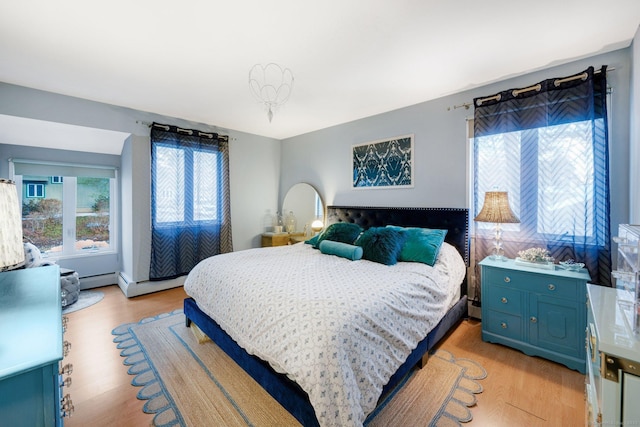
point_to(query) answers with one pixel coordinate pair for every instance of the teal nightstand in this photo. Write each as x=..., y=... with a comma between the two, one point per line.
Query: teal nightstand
x=539, y=312
x=31, y=348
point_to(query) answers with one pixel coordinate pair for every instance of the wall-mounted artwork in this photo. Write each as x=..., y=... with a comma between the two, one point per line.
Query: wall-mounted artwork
x=385, y=163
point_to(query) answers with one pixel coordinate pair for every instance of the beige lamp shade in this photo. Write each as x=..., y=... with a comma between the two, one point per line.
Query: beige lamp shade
x=496, y=209
x=11, y=246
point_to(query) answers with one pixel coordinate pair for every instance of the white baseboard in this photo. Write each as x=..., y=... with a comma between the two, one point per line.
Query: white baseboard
x=475, y=312
x=134, y=289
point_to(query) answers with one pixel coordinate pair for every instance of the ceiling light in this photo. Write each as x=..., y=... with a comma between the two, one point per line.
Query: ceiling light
x=271, y=85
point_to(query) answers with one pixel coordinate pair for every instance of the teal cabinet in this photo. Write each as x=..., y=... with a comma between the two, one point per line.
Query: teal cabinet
x=31, y=347
x=537, y=311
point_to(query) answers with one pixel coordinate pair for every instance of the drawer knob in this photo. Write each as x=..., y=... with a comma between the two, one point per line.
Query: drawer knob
x=503, y=325
x=504, y=300
x=533, y=319
x=551, y=287
x=507, y=279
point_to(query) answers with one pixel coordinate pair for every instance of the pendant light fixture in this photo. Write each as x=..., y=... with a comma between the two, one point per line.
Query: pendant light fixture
x=271, y=85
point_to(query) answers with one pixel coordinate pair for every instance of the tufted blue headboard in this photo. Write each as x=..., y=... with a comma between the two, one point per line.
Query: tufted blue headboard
x=455, y=220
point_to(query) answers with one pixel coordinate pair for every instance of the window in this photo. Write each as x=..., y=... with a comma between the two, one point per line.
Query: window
x=69, y=212
x=34, y=190
x=179, y=204
x=190, y=215
x=547, y=146
x=319, y=208
x=554, y=164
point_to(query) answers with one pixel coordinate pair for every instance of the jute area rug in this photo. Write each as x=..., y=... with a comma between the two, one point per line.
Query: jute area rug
x=188, y=383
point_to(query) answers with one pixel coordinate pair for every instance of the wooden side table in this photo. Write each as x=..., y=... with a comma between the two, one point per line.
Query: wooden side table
x=281, y=239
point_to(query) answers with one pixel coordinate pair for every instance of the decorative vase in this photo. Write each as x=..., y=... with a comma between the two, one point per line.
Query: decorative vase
x=277, y=223
x=291, y=222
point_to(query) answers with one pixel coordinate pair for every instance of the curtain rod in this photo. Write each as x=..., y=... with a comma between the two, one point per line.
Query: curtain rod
x=517, y=92
x=188, y=131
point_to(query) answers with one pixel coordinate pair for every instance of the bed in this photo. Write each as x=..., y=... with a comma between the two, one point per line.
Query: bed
x=278, y=375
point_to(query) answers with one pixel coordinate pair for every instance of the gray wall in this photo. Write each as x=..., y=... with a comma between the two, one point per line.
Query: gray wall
x=254, y=166
x=323, y=158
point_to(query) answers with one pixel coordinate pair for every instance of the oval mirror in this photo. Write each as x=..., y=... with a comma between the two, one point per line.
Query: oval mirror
x=305, y=203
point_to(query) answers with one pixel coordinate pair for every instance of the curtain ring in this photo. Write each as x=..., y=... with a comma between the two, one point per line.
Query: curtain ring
x=497, y=97
x=517, y=92
x=582, y=76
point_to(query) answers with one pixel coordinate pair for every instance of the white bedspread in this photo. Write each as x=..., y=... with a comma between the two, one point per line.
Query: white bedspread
x=336, y=327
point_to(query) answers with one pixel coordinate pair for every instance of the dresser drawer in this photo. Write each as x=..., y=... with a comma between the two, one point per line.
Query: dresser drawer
x=560, y=287
x=503, y=324
x=506, y=300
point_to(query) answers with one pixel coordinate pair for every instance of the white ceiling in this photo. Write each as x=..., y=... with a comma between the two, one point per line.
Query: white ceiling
x=350, y=58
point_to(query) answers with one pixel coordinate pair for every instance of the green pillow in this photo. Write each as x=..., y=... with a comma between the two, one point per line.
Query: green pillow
x=422, y=244
x=381, y=244
x=344, y=232
x=312, y=241
x=343, y=250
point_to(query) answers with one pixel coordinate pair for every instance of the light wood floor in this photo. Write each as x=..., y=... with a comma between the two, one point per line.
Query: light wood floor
x=518, y=391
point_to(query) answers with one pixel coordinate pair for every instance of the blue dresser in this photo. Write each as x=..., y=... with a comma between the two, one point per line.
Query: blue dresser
x=537, y=311
x=31, y=348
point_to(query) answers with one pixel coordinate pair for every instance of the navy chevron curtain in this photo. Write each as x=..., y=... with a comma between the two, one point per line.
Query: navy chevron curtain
x=547, y=146
x=190, y=212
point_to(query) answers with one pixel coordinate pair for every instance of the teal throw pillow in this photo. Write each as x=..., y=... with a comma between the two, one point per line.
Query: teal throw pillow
x=343, y=250
x=381, y=244
x=344, y=232
x=312, y=241
x=422, y=244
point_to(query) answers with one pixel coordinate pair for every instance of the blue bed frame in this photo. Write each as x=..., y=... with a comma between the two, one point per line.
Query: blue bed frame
x=287, y=392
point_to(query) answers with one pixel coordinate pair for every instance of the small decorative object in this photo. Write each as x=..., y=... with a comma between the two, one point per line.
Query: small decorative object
x=278, y=225
x=535, y=257
x=496, y=209
x=291, y=222
x=385, y=163
x=571, y=265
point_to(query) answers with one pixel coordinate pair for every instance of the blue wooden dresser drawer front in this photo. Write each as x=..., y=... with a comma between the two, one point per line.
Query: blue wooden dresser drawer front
x=506, y=300
x=537, y=311
x=503, y=324
x=560, y=287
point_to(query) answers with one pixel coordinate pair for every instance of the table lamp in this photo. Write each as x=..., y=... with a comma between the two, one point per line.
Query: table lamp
x=11, y=246
x=496, y=209
x=317, y=225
